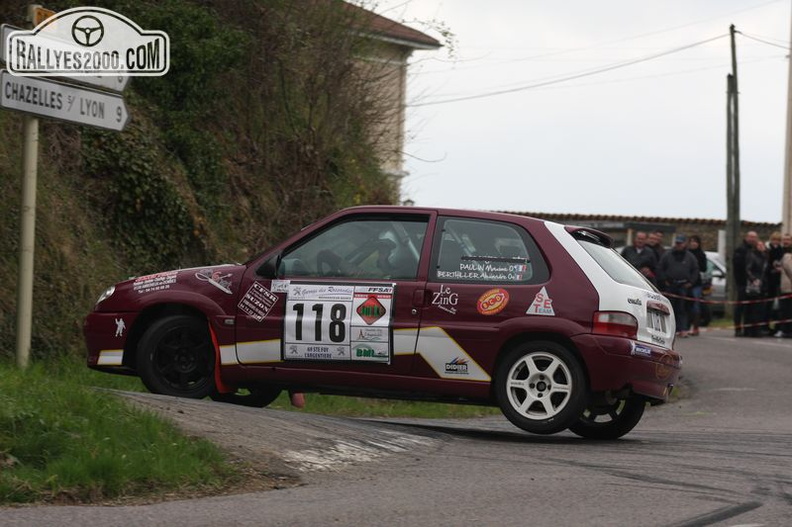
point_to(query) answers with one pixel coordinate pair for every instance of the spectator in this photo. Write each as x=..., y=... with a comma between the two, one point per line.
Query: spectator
x=740, y=278
x=676, y=274
x=786, y=242
x=775, y=251
x=784, y=329
x=756, y=289
x=655, y=242
x=694, y=246
x=641, y=257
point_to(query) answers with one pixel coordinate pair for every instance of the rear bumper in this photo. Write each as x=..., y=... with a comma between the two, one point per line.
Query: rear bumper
x=617, y=363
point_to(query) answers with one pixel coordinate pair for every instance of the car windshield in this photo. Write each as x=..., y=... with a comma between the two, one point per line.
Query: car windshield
x=617, y=267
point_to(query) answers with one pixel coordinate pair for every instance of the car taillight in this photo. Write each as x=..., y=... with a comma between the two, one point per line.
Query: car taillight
x=615, y=323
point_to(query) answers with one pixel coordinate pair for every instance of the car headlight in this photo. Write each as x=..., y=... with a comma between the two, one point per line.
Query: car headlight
x=107, y=293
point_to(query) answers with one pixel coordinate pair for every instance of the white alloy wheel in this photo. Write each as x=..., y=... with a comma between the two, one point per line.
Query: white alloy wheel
x=541, y=387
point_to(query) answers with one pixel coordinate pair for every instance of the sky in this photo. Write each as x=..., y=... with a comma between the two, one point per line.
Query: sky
x=643, y=139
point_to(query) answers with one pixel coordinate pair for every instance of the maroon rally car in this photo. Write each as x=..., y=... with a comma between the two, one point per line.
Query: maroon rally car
x=545, y=321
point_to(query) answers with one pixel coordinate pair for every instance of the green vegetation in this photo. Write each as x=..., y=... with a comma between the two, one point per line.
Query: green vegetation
x=62, y=441
x=267, y=120
x=363, y=407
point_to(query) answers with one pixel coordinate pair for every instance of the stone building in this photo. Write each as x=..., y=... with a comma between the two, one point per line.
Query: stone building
x=622, y=228
x=392, y=45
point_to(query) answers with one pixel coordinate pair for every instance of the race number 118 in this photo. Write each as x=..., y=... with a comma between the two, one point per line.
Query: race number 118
x=328, y=319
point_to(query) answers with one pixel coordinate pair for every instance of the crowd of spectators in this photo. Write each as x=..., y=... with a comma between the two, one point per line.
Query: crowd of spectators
x=762, y=273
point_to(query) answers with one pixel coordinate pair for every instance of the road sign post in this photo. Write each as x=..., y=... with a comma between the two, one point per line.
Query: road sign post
x=84, y=45
x=27, y=232
x=27, y=240
x=64, y=102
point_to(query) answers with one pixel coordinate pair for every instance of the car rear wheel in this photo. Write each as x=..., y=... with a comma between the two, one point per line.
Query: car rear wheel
x=255, y=396
x=175, y=356
x=610, y=420
x=541, y=387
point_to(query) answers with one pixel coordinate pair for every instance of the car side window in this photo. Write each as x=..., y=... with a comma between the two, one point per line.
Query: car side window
x=379, y=249
x=480, y=251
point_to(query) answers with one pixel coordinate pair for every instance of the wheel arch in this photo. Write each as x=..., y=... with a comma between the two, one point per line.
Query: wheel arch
x=146, y=318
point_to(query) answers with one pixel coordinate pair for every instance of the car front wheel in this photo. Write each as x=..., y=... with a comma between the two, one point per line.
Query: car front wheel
x=175, y=357
x=541, y=387
x=610, y=420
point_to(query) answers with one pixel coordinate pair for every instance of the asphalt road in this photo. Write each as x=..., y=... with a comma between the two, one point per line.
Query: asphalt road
x=722, y=457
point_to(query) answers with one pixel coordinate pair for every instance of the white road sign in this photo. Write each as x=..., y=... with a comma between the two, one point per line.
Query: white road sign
x=62, y=101
x=108, y=82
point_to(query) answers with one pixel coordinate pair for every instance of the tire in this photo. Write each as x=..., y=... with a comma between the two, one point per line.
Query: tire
x=257, y=397
x=176, y=357
x=541, y=387
x=610, y=421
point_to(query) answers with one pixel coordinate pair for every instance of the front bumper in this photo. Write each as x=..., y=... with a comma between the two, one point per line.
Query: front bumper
x=106, y=338
x=616, y=363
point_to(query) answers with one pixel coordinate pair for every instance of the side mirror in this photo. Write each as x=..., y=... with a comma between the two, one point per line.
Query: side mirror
x=269, y=269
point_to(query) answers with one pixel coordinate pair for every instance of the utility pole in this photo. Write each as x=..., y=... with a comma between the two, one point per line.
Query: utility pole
x=730, y=292
x=786, y=217
x=732, y=168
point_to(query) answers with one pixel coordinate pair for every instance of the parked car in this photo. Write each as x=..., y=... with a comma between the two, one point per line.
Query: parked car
x=714, y=279
x=545, y=321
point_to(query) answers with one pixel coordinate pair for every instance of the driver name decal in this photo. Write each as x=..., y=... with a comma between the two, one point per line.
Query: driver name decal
x=338, y=322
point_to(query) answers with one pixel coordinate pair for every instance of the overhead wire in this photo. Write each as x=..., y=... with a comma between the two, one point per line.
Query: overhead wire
x=569, y=77
x=605, y=43
x=786, y=47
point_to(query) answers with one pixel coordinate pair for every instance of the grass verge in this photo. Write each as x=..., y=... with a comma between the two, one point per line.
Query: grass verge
x=61, y=441
x=364, y=407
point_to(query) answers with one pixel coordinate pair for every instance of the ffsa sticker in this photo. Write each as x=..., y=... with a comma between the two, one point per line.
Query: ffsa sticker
x=338, y=322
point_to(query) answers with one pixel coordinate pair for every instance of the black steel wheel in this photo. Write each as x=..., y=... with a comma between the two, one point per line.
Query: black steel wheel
x=176, y=357
x=610, y=420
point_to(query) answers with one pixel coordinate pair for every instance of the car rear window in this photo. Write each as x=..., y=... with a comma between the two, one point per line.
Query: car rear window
x=484, y=251
x=612, y=263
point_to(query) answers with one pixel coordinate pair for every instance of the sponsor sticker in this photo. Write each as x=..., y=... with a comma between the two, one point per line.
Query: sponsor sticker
x=457, y=366
x=154, y=282
x=279, y=286
x=445, y=299
x=257, y=302
x=641, y=350
x=493, y=301
x=542, y=304
x=371, y=351
x=120, y=327
x=216, y=278
x=371, y=309
x=372, y=334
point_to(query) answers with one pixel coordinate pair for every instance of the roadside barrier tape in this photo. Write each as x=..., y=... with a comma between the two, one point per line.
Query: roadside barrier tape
x=775, y=324
x=733, y=302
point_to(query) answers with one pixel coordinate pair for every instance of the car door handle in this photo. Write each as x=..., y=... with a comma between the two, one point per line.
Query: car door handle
x=420, y=297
